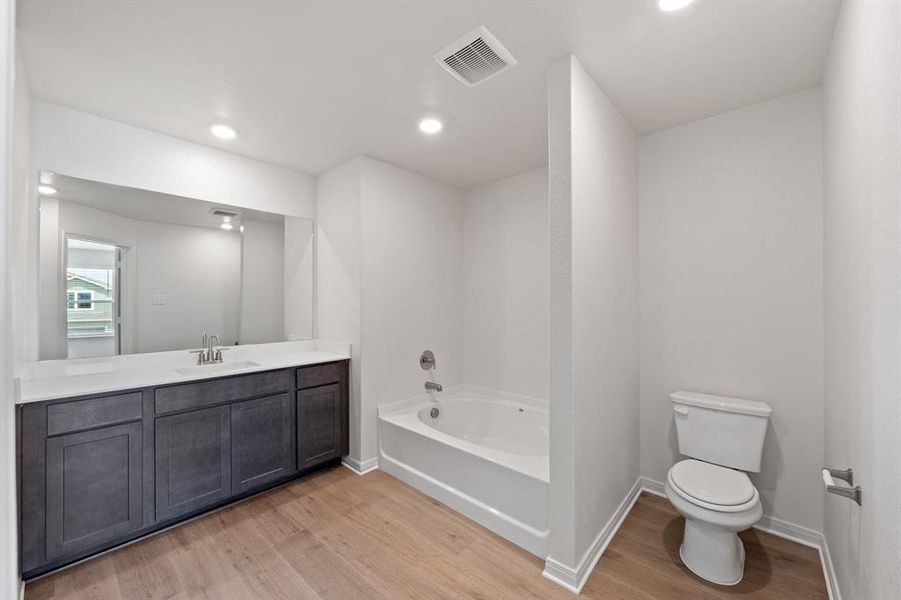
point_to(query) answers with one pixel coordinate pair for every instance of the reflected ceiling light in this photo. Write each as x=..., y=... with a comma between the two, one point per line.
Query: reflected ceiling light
x=46, y=190
x=671, y=5
x=430, y=125
x=223, y=132
x=227, y=226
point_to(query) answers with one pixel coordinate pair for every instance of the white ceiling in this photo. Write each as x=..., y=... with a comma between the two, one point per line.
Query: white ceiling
x=310, y=84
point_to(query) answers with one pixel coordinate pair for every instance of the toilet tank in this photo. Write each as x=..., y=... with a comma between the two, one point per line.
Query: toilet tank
x=720, y=430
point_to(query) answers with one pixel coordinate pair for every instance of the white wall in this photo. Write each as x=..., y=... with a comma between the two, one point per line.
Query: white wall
x=338, y=241
x=79, y=144
x=862, y=89
x=25, y=228
x=9, y=578
x=505, y=285
x=731, y=286
x=389, y=271
x=593, y=224
x=262, y=282
x=411, y=292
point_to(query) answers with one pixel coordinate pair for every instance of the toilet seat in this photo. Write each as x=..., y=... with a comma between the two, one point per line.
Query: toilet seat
x=713, y=487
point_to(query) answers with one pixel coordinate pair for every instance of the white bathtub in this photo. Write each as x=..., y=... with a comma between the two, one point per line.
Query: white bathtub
x=485, y=455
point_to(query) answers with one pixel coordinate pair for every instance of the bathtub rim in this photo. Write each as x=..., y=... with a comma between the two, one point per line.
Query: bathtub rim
x=389, y=408
x=404, y=414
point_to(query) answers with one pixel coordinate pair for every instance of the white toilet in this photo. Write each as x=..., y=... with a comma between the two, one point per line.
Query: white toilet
x=723, y=438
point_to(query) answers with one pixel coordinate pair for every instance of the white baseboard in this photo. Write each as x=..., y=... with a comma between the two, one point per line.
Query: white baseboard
x=783, y=529
x=574, y=579
x=21, y=589
x=790, y=531
x=361, y=467
x=829, y=571
x=652, y=486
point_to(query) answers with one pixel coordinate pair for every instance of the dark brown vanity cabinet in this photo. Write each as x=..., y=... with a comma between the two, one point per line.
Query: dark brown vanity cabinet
x=98, y=471
x=93, y=487
x=263, y=441
x=319, y=429
x=322, y=420
x=193, y=461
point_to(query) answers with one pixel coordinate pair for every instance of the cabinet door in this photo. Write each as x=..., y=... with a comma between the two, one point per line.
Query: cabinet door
x=320, y=426
x=193, y=461
x=93, y=487
x=262, y=441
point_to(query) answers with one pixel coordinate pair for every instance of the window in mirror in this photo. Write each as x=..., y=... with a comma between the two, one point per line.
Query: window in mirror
x=92, y=298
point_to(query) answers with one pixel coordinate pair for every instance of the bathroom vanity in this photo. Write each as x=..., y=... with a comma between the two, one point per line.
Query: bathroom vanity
x=109, y=462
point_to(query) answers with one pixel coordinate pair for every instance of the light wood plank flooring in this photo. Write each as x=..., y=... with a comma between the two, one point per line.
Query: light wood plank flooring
x=336, y=535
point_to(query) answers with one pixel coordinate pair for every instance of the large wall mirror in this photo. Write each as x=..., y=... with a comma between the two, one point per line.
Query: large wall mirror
x=125, y=271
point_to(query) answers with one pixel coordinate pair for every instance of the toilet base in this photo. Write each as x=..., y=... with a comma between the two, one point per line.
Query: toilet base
x=712, y=553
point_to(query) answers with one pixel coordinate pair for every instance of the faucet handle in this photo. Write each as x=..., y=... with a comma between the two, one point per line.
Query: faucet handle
x=199, y=354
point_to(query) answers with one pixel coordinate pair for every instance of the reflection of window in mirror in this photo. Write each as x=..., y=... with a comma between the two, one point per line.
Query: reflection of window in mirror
x=93, y=313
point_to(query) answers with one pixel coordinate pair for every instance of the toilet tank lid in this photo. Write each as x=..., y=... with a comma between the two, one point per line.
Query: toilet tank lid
x=722, y=403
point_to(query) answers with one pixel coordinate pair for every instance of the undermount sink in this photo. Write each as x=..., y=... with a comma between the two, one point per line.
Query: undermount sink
x=222, y=367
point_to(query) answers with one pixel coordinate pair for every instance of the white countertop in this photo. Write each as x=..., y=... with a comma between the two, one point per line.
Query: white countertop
x=51, y=379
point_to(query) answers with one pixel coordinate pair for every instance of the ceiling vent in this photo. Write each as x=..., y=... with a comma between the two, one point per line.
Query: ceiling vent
x=221, y=212
x=475, y=57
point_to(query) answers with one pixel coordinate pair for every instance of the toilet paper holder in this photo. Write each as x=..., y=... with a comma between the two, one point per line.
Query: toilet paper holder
x=846, y=475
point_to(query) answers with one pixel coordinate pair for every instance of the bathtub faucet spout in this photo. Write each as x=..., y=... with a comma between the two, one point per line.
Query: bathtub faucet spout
x=433, y=387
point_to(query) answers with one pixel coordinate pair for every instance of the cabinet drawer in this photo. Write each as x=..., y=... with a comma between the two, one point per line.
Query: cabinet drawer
x=219, y=391
x=317, y=375
x=96, y=412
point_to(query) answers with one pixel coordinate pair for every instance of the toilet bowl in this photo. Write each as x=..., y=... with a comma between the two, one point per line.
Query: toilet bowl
x=723, y=438
x=717, y=503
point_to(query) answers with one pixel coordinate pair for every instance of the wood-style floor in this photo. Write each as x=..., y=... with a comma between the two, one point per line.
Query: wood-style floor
x=336, y=535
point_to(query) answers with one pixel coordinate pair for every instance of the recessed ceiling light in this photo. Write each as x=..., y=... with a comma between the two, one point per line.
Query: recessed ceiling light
x=223, y=132
x=430, y=125
x=227, y=226
x=671, y=5
x=46, y=190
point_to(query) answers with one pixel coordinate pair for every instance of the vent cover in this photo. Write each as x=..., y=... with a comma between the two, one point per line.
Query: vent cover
x=221, y=212
x=475, y=57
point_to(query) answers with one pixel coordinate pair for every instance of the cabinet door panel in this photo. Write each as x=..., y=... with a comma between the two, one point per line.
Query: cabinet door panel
x=93, y=487
x=262, y=441
x=193, y=461
x=319, y=425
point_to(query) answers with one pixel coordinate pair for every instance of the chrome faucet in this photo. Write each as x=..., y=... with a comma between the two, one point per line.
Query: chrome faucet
x=209, y=352
x=431, y=386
